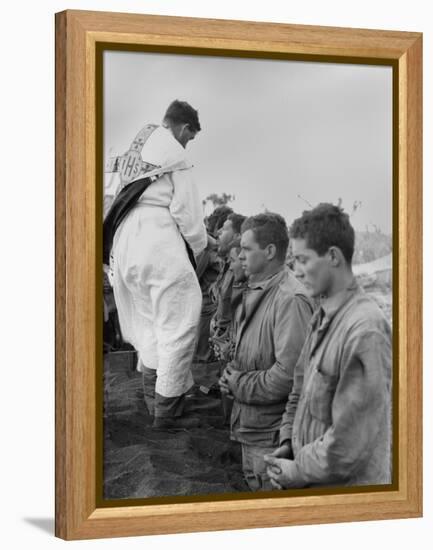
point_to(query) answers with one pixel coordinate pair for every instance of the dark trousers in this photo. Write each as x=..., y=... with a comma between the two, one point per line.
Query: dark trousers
x=203, y=352
x=254, y=467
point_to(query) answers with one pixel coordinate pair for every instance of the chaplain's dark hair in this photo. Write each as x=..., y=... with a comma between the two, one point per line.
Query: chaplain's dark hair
x=216, y=220
x=237, y=221
x=269, y=228
x=324, y=226
x=181, y=112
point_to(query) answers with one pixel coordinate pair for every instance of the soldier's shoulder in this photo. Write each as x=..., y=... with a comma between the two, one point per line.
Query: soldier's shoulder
x=364, y=311
x=290, y=289
x=290, y=285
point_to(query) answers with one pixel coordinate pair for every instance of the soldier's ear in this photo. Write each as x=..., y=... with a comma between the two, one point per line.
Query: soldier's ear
x=271, y=251
x=336, y=256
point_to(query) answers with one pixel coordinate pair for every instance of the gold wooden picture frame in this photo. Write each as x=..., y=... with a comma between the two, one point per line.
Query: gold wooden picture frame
x=81, y=37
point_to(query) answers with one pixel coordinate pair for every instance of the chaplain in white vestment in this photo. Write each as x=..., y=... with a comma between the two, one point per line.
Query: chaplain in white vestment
x=155, y=286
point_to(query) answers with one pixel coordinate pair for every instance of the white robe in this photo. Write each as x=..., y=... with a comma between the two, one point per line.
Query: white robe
x=156, y=289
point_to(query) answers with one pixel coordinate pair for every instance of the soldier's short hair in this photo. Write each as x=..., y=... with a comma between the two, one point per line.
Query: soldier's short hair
x=216, y=220
x=324, y=226
x=181, y=112
x=237, y=221
x=269, y=228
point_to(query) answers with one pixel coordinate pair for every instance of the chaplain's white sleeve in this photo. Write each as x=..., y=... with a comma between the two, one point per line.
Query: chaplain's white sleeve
x=186, y=208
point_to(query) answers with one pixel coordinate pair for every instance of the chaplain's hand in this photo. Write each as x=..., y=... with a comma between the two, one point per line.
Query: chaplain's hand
x=283, y=472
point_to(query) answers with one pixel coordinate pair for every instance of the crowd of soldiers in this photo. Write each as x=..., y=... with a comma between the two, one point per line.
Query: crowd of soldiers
x=306, y=354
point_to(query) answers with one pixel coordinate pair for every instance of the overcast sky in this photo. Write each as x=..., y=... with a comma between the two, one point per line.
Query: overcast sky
x=272, y=131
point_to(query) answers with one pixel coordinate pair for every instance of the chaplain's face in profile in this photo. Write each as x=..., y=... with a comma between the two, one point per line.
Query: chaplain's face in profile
x=183, y=133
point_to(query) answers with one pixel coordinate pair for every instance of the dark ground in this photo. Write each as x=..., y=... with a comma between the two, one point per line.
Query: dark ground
x=140, y=461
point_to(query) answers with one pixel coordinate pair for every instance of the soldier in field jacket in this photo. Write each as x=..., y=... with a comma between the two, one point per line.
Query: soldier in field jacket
x=272, y=322
x=336, y=429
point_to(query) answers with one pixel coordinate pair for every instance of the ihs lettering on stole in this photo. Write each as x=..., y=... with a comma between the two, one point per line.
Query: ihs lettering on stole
x=130, y=165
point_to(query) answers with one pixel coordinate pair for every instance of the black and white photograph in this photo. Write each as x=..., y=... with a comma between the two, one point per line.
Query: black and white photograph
x=248, y=275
